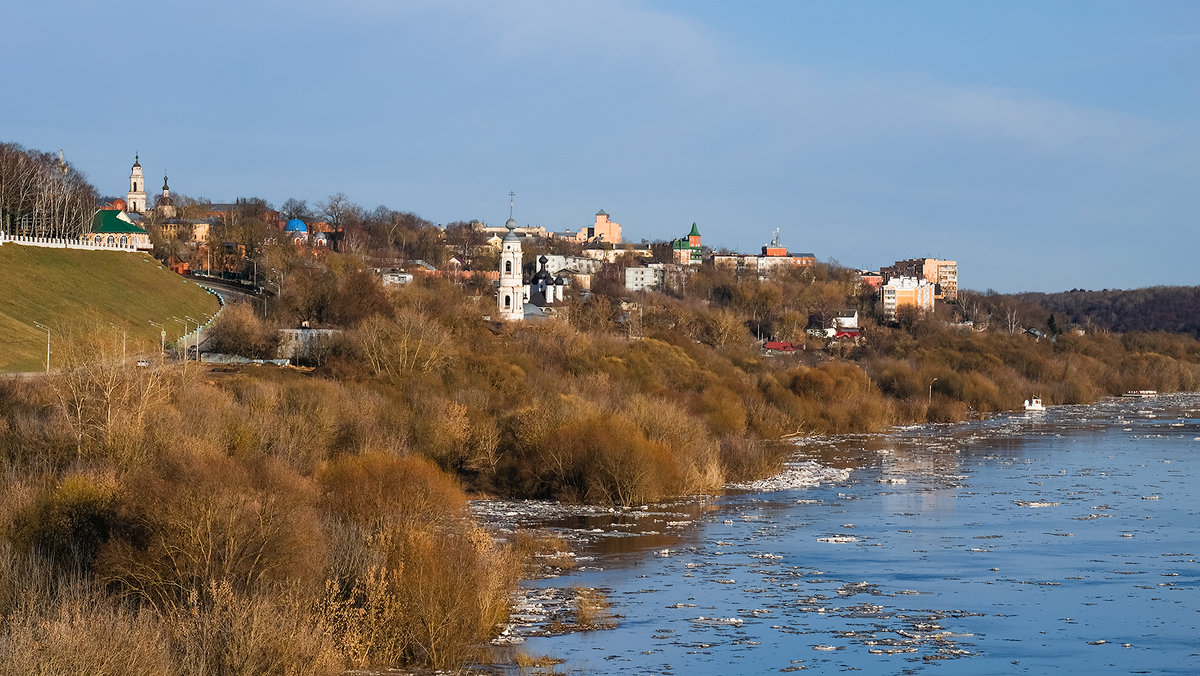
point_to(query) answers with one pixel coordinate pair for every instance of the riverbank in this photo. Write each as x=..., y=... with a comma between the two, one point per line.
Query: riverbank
x=1021, y=544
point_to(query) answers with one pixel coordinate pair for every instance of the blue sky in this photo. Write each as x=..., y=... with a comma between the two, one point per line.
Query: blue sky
x=1044, y=145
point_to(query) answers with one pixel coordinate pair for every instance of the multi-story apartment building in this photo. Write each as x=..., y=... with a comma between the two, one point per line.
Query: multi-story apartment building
x=906, y=291
x=933, y=270
x=648, y=278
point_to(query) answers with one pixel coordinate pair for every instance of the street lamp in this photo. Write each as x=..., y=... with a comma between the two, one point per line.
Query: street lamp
x=47, y=330
x=184, y=336
x=931, y=389
x=162, y=337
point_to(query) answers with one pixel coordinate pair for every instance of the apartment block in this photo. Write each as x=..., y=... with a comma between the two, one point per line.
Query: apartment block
x=906, y=291
x=933, y=270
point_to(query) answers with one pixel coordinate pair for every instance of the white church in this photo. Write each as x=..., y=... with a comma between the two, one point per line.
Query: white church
x=521, y=298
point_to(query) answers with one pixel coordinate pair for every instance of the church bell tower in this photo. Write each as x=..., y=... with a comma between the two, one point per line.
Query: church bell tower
x=135, y=200
x=511, y=299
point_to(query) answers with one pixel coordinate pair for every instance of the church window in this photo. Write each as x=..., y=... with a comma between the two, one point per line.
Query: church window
x=97, y=240
x=508, y=267
x=111, y=240
x=135, y=186
x=507, y=301
x=124, y=240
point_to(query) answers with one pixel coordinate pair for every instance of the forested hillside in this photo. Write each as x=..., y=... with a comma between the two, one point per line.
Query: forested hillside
x=1158, y=308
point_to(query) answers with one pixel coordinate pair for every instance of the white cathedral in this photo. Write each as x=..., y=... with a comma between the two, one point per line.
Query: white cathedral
x=521, y=298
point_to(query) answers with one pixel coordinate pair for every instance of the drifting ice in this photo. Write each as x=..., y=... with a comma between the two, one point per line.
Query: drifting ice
x=796, y=475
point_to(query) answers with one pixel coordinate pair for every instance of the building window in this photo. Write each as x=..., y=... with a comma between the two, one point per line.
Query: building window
x=124, y=240
x=112, y=241
x=508, y=301
x=508, y=267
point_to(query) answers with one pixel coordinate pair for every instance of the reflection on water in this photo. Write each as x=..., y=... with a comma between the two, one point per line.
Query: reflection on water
x=1064, y=542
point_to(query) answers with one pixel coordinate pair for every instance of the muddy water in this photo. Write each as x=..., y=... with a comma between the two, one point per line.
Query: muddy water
x=1066, y=541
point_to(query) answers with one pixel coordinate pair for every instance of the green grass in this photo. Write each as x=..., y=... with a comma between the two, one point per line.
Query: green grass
x=65, y=289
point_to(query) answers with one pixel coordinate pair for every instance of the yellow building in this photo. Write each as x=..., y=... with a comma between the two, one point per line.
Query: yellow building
x=906, y=291
x=604, y=230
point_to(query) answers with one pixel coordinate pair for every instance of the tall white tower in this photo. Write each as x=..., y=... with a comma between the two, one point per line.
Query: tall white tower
x=511, y=299
x=135, y=200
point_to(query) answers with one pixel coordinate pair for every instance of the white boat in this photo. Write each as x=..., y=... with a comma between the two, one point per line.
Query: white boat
x=1034, y=404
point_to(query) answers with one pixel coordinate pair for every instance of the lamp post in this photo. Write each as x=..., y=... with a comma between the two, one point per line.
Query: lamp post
x=162, y=337
x=47, y=330
x=931, y=390
x=184, y=336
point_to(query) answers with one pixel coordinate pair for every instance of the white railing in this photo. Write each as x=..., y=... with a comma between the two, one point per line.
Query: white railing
x=63, y=243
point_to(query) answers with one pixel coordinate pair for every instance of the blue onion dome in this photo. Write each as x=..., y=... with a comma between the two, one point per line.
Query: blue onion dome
x=295, y=225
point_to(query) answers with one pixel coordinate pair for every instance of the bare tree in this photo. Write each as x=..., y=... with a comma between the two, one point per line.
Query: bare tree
x=1011, y=317
x=294, y=208
x=43, y=195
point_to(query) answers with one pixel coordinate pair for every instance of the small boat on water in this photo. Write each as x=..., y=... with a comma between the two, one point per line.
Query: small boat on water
x=1141, y=393
x=1034, y=404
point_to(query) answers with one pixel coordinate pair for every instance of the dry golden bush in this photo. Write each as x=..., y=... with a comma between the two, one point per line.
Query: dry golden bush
x=77, y=631
x=447, y=593
x=220, y=630
x=541, y=549
x=663, y=422
x=201, y=516
x=744, y=458
x=379, y=492
x=69, y=522
x=239, y=331
x=722, y=410
x=592, y=609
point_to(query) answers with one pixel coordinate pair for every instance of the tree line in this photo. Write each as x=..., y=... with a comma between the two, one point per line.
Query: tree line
x=42, y=195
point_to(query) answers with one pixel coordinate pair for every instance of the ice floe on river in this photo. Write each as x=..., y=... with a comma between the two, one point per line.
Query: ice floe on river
x=796, y=475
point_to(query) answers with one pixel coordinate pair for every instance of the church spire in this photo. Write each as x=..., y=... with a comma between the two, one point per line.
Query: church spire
x=511, y=224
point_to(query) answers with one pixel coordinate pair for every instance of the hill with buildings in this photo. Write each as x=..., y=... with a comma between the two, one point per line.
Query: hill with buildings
x=65, y=289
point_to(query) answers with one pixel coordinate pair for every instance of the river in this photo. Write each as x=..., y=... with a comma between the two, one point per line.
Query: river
x=1061, y=542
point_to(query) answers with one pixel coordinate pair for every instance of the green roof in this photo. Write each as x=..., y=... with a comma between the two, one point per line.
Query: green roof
x=694, y=232
x=109, y=221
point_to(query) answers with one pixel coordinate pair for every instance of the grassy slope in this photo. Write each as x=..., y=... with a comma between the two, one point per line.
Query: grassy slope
x=63, y=288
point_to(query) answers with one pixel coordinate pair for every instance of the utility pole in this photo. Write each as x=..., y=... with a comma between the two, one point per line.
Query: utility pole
x=47, y=330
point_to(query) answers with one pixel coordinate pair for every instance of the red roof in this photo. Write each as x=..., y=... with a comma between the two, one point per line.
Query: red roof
x=779, y=345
